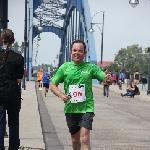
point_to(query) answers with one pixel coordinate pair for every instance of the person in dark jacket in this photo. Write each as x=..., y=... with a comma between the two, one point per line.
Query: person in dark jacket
x=144, y=82
x=136, y=77
x=11, y=74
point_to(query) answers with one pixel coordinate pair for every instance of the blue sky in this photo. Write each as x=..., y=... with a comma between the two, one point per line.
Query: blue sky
x=124, y=26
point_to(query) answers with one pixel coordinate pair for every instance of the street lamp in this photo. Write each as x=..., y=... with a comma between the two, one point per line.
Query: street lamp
x=134, y=3
x=38, y=38
x=148, y=89
x=25, y=44
x=91, y=30
x=40, y=28
x=102, y=33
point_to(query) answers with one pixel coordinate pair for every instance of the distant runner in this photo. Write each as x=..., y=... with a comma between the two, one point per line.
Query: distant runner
x=46, y=81
x=39, y=77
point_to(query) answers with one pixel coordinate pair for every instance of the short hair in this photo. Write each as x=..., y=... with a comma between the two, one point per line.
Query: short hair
x=79, y=41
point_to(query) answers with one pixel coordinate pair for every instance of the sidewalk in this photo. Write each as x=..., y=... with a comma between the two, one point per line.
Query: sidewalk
x=30, y=127
x=143, y=94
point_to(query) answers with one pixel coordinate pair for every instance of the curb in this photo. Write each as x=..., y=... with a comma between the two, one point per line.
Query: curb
x=51, y=139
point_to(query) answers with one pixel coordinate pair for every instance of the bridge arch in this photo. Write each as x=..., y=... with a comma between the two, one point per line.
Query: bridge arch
x=76, y=23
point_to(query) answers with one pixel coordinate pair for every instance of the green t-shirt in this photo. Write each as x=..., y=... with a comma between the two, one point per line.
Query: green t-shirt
x=72, y=74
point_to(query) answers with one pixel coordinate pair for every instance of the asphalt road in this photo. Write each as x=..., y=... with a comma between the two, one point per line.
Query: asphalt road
x=119, y=123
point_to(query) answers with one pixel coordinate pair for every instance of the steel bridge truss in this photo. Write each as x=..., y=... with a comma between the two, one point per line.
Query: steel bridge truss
x=76, y=23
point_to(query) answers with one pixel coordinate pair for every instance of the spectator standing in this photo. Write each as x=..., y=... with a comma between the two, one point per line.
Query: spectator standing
x=121, y=76
x=113, y=76
x=117, y=77
x=11, y=73
x=144, y=82
x=26, y=72
x=128, y=77
x=136, y=77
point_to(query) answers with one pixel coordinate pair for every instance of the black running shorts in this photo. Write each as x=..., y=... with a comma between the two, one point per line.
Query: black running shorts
x=76, y=121
x=46, y=85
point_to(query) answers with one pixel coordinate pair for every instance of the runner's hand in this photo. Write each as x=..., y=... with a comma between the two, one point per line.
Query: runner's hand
x=108, y=79
x=64, y=97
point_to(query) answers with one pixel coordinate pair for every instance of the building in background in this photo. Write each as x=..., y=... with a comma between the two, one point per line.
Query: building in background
x=104, y=64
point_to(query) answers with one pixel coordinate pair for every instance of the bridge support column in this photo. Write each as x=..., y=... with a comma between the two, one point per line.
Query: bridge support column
x=3, y=15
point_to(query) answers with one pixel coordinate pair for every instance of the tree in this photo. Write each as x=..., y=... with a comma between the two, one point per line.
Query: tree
x=17, y=48
x=113, y=67
x=132, y=58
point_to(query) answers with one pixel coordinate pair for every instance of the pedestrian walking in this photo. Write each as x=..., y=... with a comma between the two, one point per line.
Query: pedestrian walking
x=144, y=82
x=77, y=76
x=106, y=85
x=11, y=74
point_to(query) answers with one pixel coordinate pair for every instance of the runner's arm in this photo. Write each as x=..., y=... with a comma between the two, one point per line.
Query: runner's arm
x=108, y=80
x=55, y=90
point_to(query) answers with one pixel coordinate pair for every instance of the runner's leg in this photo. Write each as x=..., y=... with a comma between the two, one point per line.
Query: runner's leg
x=85, y=139
x=76, y=145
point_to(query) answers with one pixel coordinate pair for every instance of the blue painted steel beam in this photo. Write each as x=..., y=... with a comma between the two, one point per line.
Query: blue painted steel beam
x=82, y=25
x=56, y=30
x=77, y=4
x=36, y=3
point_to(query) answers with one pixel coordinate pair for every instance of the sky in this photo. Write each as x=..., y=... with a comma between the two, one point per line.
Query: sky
x=123, y=26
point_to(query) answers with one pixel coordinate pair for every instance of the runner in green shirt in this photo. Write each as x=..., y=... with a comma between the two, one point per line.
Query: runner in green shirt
x=78, y=97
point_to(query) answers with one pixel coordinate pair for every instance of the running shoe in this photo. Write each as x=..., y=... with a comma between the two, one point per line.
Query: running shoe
x=40, y=89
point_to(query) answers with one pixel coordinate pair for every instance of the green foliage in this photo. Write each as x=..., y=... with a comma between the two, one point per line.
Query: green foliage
x=113, y=68
x=132, y=58
x=17, y=48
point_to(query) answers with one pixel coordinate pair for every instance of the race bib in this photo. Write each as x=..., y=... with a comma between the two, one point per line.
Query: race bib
x=77, y=93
